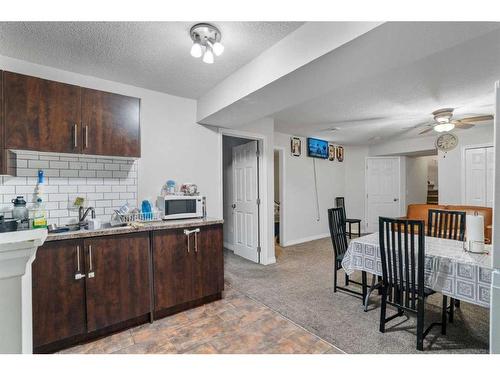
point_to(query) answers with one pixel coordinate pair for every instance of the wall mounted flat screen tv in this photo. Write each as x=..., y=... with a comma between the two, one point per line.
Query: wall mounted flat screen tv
x=317, y=148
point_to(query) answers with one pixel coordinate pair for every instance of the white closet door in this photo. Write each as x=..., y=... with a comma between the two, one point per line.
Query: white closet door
x=475, y=177
x=490, y=175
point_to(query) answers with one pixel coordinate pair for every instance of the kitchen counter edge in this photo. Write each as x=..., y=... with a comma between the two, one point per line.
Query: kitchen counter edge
x=146, y=227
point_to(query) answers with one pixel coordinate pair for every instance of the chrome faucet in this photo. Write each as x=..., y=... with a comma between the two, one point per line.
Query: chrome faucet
x=82, y=214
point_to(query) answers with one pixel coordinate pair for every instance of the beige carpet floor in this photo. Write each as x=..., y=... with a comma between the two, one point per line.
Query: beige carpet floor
x=300, y=287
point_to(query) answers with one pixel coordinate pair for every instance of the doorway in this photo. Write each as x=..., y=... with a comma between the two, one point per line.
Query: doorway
x=279, y=169
x=241, y=198
x=422, y=185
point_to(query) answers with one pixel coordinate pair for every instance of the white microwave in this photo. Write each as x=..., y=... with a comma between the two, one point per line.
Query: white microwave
x=181, y=206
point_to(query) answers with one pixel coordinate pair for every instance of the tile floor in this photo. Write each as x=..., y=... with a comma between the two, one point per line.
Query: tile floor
x=235, y=324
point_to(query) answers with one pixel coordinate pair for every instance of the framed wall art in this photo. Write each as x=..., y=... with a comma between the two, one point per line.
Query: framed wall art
x=331, y=152
x=340, y=153
x=295, y=146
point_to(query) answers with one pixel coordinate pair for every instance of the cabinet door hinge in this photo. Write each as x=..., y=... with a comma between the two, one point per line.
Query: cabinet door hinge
x=258, y=201
x=258, y=249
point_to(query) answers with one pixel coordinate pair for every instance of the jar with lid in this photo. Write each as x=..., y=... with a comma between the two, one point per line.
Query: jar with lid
x=20, y=211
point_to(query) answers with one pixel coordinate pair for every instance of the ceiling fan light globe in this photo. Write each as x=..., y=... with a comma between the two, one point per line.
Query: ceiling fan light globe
x=218, y=48
x=444, y=127
x=196, y=50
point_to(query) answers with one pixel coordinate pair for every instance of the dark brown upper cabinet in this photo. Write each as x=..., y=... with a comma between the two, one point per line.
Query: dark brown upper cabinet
x=41, y=115
x=110, y=124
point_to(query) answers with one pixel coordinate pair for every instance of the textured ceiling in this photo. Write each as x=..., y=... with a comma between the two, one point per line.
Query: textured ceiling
x=153, y=55
x=392, y=102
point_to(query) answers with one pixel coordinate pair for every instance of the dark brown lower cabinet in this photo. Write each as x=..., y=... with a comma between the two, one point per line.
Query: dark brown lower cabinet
x=81, y=286
x=90, y=287
x=117, y=279
x=187, y=265
x=58, y=296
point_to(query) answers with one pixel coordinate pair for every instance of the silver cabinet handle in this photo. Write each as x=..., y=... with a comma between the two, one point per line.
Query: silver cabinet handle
x=188, y=234
x=75, y=136
x=78, y=274
x=91, y=273
x=86, y=140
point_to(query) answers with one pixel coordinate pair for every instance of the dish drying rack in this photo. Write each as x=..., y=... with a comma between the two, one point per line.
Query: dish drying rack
x=134, y=217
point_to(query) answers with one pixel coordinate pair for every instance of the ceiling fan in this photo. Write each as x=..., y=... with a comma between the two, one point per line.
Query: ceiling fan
x=443, y=122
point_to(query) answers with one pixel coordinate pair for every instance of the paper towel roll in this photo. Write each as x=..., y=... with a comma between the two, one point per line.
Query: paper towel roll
x=474, y=228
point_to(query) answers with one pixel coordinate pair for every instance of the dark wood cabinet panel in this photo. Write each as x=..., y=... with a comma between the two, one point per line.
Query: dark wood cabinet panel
x=41, y=115
x=208, y=270
x=119, y=289
x=58, y=298
x=110, y=124
x=172, y=268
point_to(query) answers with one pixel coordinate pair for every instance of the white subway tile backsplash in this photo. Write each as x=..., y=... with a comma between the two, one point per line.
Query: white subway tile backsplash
x=118, y=188
x=104, y=174
x=104, y=188
x=77, y=165
x=105, y=183
x=69, y=173
x=86, y=173
x=86, y=188
x=59, y=164
x=38, y=164
x=120, y=174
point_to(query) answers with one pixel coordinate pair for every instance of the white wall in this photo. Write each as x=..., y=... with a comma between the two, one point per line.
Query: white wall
x=416, y=179
x=299, y=206
x=354, y=161
x=450, y=165
x=173, y=145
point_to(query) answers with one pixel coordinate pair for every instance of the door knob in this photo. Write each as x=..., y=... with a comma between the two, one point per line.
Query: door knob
x=233, y=205
x=396, y=199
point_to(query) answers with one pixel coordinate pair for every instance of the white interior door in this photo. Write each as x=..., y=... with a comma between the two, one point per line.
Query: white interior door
x=479, y=176
x=383, y=190
x=245, y=194
x=475, y=176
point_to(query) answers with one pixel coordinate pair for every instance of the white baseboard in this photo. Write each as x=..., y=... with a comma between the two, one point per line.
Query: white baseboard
x=229, y=246
x=305, y=239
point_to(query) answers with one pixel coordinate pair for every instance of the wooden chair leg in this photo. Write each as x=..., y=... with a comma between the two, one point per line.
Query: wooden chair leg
x=346, y=279
x=350, y=231
x=444, y=314
x=420, y=324
x=359, y=229
x=457, y=303
x=383, y=306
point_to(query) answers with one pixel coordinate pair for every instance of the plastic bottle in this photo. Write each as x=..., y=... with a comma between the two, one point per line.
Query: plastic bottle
x=40, y=216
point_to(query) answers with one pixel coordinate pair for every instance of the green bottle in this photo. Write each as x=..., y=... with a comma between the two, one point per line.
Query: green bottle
x=40, y=216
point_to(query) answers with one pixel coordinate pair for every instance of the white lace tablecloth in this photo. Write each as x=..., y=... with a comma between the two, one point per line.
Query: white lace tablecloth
x=448, y=268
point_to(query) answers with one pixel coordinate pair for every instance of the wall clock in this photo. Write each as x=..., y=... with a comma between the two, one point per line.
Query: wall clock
x=446, y=142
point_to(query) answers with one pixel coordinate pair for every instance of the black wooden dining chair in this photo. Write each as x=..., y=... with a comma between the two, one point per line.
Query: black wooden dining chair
x=402, y=252
x=340, y=203
x=339, y=242
x=449, y=225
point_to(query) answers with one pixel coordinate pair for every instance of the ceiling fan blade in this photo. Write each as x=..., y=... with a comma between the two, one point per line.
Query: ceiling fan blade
x=462, y=125
x=477, y=118
x=426, y=130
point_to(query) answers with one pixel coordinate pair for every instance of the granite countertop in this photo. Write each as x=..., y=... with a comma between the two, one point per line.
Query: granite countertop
x=143, y=227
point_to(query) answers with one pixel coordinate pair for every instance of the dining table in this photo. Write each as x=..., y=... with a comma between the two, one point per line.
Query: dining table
x=448, y=268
